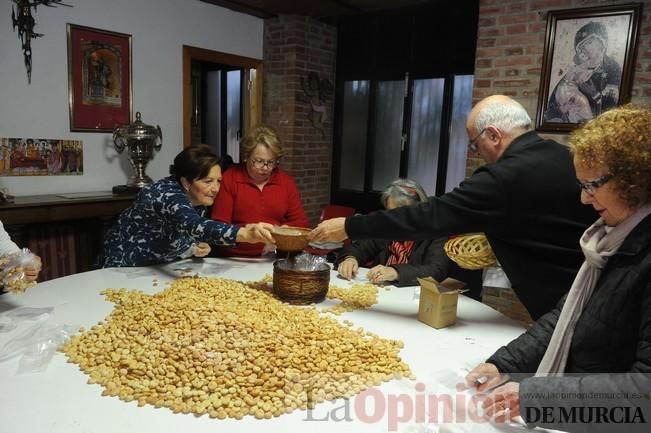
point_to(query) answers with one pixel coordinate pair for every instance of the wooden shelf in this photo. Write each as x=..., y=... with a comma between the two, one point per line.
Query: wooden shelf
x=47, y=208
x=67, y=233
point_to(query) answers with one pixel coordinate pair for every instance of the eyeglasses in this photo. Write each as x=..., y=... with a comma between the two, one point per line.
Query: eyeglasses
x=590, y=187
x=472, y=144
x=259, y=163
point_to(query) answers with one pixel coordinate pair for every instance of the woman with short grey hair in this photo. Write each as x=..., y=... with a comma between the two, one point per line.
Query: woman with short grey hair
x=403, y=192
x=396, y=262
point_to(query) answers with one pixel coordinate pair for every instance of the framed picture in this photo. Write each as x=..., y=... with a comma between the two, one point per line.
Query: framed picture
x=99, y=79
x=588, y=64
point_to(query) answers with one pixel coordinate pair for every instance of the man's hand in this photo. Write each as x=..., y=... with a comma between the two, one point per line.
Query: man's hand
x=332, y=230
x=348, y=268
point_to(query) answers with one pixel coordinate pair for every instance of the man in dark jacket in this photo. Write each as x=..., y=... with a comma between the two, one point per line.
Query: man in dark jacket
x=525, y=199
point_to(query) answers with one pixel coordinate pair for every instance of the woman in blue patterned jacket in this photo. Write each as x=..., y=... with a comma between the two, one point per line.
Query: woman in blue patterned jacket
x=167, y=221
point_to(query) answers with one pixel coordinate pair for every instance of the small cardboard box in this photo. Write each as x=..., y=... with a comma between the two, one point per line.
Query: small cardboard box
x=438, y=301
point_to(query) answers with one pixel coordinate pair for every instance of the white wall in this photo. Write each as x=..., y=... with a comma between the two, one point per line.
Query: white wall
x=159, y=29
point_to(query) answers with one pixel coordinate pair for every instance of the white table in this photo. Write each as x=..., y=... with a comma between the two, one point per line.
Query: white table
x=60, y=400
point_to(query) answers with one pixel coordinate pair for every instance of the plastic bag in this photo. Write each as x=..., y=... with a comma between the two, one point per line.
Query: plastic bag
x=37, y=345
x=10, y=320
x=17, y=345
x=306, y=262
x=12, y=270
x=40, y=351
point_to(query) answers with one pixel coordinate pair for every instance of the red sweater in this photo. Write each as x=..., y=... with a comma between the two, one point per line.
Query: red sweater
x=241, y=202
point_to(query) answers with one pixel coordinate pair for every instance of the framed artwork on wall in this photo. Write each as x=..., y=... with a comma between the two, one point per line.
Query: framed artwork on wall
x=588, y=64
x=99, y=79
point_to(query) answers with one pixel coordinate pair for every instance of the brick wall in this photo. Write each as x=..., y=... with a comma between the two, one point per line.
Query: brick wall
x=510, y=44
x=509, y=54
x=294, y=46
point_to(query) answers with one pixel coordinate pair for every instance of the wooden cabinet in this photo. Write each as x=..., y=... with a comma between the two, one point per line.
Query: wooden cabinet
x=65, y=230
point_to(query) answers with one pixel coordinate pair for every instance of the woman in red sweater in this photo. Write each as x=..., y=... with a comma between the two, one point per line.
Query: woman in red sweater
x=257, y=190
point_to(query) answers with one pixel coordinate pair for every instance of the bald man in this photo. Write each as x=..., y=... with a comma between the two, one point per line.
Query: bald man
x=525, y=199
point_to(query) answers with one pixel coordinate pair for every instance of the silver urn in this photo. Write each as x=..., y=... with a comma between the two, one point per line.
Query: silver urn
x=140, y=140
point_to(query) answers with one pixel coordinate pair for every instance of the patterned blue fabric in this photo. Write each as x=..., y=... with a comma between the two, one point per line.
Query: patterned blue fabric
x=160, y=226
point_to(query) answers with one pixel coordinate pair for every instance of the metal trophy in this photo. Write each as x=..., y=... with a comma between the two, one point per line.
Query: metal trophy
x=140, y=140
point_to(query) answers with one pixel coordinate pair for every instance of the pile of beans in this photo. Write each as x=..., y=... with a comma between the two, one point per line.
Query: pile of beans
x=358, y=296
x=226, y=349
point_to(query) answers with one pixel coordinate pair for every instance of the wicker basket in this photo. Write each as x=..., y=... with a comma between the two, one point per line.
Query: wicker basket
x=300, y=287
x=470, y=251
x=290, y=238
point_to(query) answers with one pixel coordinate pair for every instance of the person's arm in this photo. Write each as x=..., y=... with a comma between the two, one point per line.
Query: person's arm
x=295, y=215
x=619, y=392
x=523, y=355
x=179, y=213
x=434, y=262
x=7, y=246
x=478, y=204
x=502, y=373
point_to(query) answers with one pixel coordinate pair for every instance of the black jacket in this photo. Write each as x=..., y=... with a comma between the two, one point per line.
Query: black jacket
x=426, y=259
x=613, y=335
x=527, y=203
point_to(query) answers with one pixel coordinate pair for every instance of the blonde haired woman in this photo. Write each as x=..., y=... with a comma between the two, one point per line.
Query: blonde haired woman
x=258, y=190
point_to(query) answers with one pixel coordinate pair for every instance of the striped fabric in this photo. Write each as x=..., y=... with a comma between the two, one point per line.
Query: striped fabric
x=400, y=251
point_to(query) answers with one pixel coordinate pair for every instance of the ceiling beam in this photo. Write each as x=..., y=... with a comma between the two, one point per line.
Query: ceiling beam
x=240, y=7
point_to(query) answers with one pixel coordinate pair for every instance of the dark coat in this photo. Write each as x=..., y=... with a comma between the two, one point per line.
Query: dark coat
x=426, y=259
x=527, y=203
x=613, y=335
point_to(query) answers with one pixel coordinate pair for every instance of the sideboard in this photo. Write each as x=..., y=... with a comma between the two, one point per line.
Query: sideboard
x=66, y=229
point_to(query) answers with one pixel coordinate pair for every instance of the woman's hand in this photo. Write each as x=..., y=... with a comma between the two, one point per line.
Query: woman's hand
x=201, y=249
x=503, y=404
x=380, y=273
x=348, y=268
x=332, y=230
x=485, y=376
x=256, y=233
x=32, y=270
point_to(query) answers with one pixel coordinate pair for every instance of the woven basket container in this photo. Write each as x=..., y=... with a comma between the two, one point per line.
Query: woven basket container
x=300, y=287
x=471, y=251
x=290, y=238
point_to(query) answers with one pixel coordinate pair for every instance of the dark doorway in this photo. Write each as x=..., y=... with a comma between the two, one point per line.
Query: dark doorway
x=222, y=98
x=217, y=112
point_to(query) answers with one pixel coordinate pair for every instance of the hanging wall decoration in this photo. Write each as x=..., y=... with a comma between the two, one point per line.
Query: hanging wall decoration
x=27, y=156
x=22, y=19
x=99, y=79
x=588, y=64
x=316, y=92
